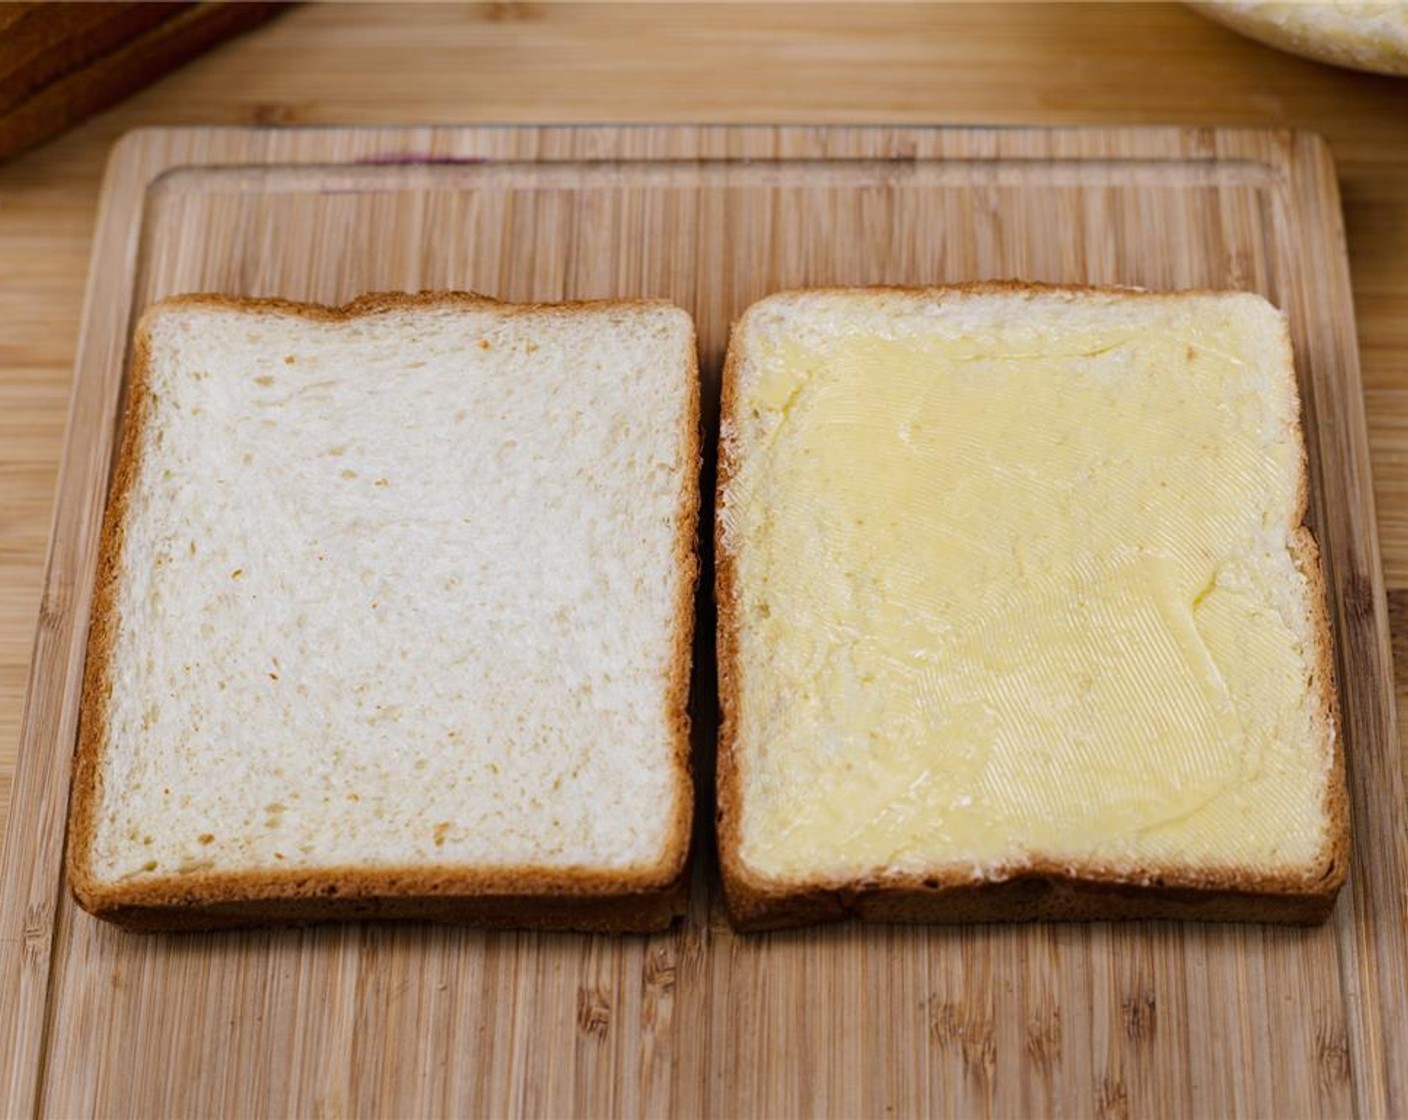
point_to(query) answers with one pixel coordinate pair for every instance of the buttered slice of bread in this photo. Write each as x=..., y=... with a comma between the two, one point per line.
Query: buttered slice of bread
x=394, y=617
x=1018, y=614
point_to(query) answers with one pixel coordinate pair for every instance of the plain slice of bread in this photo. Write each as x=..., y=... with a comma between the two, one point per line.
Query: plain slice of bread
x=1019, y=616
x=394, y=617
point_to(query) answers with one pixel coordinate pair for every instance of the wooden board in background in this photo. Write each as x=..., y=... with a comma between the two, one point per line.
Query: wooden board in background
x=60, y=63
x=1152, y=1018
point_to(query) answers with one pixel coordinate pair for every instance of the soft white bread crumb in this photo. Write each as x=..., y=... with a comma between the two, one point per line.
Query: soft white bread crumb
x=405, y=589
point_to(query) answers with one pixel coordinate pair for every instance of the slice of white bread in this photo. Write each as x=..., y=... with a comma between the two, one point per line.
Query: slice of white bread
x=1018, y=614
x=394, y=617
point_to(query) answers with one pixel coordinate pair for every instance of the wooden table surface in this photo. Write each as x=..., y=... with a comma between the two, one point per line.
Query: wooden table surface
x=929, y=64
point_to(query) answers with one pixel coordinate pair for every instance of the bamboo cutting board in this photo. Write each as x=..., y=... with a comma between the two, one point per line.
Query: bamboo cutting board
x=401, y=1020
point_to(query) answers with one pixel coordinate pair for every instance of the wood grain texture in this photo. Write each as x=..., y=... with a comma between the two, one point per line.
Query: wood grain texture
x=90, y=63
x=1107, y=1020
x=40, y=43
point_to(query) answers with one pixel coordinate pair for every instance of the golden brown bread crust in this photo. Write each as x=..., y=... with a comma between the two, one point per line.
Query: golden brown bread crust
x=641, y=900
x=1044, y=889
x=641, y=912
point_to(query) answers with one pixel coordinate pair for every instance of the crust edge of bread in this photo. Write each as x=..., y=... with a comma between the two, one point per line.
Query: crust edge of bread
x=1051, y=891
x=637, y=900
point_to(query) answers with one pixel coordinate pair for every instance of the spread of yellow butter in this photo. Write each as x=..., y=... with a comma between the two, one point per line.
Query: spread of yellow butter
x=1022, y=590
